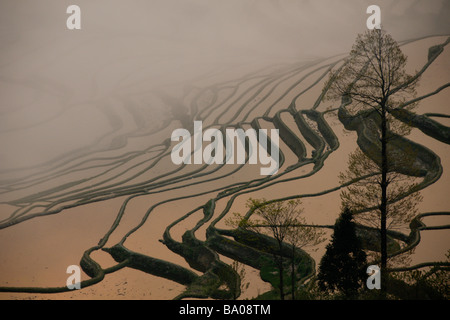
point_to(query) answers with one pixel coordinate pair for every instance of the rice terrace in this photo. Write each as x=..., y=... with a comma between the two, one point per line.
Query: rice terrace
x=143, y=226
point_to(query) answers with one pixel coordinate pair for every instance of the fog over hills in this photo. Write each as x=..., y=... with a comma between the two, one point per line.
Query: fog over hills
x=133, y=46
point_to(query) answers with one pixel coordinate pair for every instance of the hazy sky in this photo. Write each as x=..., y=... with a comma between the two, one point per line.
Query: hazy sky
x=127, y=44
x=181, y=37
x=218, y=28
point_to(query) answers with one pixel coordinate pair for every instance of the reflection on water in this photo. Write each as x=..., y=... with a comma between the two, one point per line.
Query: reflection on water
x=84, y=175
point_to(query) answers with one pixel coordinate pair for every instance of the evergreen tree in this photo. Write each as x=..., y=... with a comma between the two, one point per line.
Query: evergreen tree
x=343, y=267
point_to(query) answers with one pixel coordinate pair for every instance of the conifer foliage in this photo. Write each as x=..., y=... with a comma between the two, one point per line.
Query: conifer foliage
x=343, y=267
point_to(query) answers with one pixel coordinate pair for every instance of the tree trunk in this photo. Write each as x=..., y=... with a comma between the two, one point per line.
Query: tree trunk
x=383, y=206
x=280, y=269
x=281, y=278
x=293, y=273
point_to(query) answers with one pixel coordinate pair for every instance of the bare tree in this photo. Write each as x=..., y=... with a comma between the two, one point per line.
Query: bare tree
x=240, y=270
x=281, y=220
x=277, y=217
x=363, y=196
x=301, y=235
x=374, y=79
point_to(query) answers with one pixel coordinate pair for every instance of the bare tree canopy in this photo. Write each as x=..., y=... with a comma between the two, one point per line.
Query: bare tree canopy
x=373, y=75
